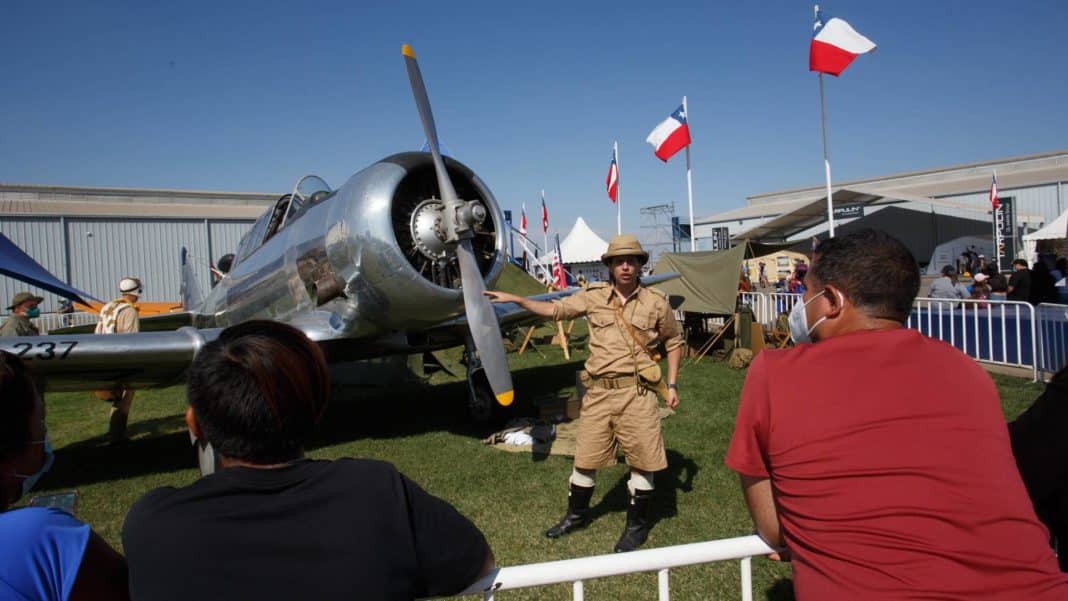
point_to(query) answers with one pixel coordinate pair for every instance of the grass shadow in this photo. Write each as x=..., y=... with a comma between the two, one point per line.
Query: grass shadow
x=94, y=460
x=781, y=590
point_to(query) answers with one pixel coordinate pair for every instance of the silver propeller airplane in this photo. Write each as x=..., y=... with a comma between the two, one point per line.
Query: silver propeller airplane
x=393, y=262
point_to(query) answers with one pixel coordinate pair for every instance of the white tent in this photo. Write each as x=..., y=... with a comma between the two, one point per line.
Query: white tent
x=1054, y=230
x=582, y=245
x=582, y=250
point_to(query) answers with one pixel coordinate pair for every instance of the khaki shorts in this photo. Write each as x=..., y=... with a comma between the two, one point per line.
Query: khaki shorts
x=624, y=416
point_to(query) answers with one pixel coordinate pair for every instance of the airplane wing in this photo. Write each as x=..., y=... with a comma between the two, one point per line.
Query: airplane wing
x=91, y=361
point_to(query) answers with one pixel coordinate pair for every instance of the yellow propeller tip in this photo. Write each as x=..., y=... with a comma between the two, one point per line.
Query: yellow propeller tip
x=406, y=50
x=505, y=398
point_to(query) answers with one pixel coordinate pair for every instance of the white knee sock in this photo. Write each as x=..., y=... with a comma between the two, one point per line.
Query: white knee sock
x=583, y=478
x=640, y=480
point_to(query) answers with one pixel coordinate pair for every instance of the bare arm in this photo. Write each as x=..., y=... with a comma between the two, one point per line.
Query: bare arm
x=762, y=507
x=102, y=574
x=674, y=357
x=540, y=308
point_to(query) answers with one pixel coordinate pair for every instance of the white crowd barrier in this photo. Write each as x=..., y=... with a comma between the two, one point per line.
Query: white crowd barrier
x=1009, y=333
x=660, y=560
x=46, y=322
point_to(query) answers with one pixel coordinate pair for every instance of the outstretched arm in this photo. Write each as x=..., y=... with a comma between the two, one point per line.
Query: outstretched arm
x=540, y=308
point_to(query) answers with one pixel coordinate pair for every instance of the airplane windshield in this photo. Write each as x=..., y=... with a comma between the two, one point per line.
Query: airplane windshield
x=309, y=190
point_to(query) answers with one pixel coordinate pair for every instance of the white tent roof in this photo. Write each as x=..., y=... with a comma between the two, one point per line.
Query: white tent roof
x=1058, y=228
x=582, y=245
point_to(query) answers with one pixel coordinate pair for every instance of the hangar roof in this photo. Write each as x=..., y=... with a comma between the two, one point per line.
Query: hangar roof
x=33, y=199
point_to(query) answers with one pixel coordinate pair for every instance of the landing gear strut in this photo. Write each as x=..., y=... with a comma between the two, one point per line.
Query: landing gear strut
x=482, y=405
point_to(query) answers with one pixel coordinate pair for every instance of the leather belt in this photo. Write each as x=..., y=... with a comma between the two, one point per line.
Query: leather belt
x=613, y=382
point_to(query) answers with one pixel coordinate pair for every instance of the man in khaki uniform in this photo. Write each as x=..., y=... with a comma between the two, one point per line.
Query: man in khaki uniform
x=120, y=316
x=23, y=308
x=627, y=321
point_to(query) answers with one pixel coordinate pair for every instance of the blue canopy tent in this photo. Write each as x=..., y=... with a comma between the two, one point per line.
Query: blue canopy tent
x=17, y=264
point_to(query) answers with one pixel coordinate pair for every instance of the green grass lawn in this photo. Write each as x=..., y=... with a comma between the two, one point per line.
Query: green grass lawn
x=424, y=431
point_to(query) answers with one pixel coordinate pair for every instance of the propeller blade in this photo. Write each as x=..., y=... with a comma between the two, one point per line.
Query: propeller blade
x=422, y=103
x=481, y=318
x=485, y=330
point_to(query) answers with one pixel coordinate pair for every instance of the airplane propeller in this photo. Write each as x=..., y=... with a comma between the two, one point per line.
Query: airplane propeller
x=459, y=218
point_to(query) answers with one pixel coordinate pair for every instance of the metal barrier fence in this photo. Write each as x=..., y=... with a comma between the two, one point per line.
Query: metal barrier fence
x=1052, y=337
x=1010, y=333
x=46, y=322
x=661, y=560
x=998, y=332
x=767, y=306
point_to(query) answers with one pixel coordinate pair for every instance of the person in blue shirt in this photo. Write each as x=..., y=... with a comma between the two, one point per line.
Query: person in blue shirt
x=45, y=554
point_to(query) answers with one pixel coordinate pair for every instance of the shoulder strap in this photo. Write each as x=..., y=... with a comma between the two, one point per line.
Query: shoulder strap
x=630, y=329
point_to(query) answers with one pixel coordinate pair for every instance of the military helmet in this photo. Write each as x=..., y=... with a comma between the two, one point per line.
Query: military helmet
x=130, y=286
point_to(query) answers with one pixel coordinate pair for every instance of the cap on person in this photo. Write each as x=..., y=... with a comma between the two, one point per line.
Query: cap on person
x=22, y=297
x=625, y=245
x=130, y=286
x=981, y=277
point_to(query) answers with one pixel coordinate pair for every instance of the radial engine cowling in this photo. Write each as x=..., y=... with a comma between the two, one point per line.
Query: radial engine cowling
x=391, y=251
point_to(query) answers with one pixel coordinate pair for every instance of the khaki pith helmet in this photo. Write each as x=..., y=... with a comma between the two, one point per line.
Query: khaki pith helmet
x=625, y=245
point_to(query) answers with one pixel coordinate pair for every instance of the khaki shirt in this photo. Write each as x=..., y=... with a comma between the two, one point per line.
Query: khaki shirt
x=118, y=317
x=613, y=351
x=18, y=325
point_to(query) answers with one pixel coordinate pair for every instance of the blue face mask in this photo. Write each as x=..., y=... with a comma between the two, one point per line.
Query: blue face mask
x=30, y=481
x=34, y=312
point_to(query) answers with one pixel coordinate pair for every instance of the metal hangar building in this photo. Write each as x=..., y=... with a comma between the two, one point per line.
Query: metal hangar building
x=92, y=237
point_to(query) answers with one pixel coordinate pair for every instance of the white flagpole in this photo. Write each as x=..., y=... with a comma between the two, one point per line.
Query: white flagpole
x=619, y=197
x=826, y=160
x=689, y=180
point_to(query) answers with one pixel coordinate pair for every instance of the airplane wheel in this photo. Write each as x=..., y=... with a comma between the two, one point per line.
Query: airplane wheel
x=483, y=406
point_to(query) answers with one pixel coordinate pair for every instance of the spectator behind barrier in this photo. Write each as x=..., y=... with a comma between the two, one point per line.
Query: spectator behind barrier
x=45, y=554
x=884, y=466
x=272, y=524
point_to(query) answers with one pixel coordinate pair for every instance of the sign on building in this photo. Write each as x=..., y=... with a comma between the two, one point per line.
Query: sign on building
x=849, y=211
x=1005, y=241
x=720, y=239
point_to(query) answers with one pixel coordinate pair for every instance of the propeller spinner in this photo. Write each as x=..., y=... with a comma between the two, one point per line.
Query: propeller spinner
x=458, y=221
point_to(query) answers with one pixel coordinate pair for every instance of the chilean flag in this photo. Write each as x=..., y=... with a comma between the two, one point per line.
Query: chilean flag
x=671, y=136
x=994, y=192
x=612, y=182
x=544, y=216
x=523, y=221
x=834, y=45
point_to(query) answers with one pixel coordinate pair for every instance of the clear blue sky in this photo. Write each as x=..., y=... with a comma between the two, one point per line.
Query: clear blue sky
x=249, y=96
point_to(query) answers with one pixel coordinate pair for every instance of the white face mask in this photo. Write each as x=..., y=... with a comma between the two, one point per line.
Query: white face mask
x=800, y=331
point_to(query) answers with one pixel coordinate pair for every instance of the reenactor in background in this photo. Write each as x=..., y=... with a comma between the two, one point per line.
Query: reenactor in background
x=23, y=308
x=120, y=316
x=627, y=322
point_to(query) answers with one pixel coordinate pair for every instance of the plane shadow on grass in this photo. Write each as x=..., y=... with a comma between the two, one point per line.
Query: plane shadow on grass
x=410, y=408
x=161, y=445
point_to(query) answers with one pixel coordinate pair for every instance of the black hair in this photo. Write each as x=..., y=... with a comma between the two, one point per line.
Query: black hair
x=17, y=397
x=258, y=391
x=949, y=270
x=873, y=269
x=1020, y=262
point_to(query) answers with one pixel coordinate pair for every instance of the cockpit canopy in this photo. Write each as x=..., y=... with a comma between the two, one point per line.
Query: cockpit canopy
x=309, y=191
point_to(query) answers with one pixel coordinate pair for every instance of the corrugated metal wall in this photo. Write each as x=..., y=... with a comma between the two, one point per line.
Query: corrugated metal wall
x=103, y=250
x=1034, y=201
x=42, y=239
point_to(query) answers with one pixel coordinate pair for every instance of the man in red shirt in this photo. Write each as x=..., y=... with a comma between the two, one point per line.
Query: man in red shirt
x=879, y=458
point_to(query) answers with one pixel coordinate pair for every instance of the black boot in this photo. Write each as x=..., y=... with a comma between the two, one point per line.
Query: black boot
x=638, y=524
x=578, y=511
